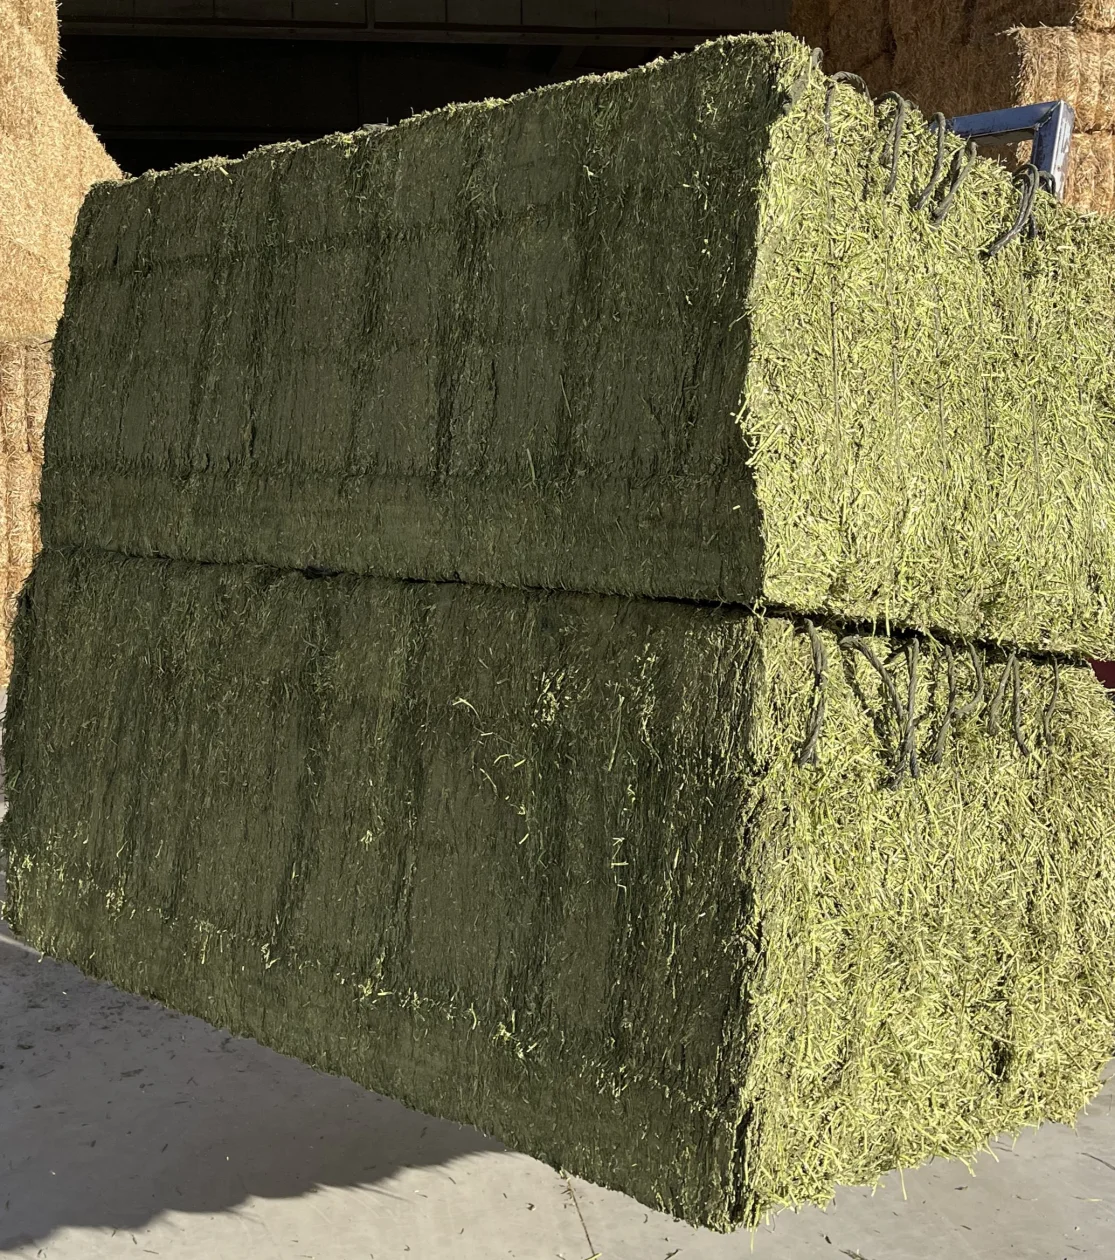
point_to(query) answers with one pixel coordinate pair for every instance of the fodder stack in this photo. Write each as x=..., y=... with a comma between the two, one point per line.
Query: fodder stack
x=453, y=553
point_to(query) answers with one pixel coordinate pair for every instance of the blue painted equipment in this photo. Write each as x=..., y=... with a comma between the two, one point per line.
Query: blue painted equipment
x=1049, y=126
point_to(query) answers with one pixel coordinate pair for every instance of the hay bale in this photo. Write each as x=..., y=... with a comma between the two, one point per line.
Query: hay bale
x=40, y=19
x=878, y=74
x=682, y=964
x=1091, y=173
x=931, y=24
x=531, y=343
x=858, y=33
x=1018, y=67
x=809, y=19
x=24, y=393
x=991, y=17
x=48, y=159
x=1077, y=66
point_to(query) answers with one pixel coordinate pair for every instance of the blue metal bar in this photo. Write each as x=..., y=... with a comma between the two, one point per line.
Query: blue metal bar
x=1049, y=125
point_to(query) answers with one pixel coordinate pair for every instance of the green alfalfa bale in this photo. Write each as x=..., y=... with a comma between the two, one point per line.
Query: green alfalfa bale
x=647, y=333
x=603, y=877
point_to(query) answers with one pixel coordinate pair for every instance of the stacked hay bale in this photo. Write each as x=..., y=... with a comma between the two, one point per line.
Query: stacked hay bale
x=962, y=58
x=614, y=552
x=48, y=159
x=856, y=36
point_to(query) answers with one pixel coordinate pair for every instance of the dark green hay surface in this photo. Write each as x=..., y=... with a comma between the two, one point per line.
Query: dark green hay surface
x=544, y=864
x=643, y=334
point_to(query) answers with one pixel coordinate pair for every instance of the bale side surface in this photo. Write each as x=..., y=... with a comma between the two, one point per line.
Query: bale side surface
x=809, y=19
x=25, y=372
x=499, y=342
x=1017, y=67
x=859, y=33
x=927, y=25
x=679, y=964
x=48, y=159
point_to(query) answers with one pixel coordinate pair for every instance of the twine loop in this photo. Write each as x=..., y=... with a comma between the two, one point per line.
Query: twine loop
x=904, y=709
x=892, y=149
x=807, y=755
x=963, y=160
x=938, y=124
x=841, y=76
x=1029, y=178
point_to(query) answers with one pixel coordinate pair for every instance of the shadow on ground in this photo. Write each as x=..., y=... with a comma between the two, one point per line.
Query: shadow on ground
x=114, y=1109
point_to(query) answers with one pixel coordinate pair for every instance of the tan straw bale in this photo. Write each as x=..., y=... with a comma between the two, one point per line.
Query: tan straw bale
x=40, y=19
x=48, y=159
x=879, y=74
x=990, y=17
x=1091, y=174
x=809, y=20
x=859, y=33
x=960, y=80
x=1078, y=66
x=25, y=375
x=925, y=24
x=1019, y=67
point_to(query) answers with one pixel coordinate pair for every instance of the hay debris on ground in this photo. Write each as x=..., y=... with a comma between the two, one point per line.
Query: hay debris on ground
x=713, y=942
x=25, y=373
x=538, y=343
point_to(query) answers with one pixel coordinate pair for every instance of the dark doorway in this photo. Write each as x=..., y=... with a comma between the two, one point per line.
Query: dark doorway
x=157, y=101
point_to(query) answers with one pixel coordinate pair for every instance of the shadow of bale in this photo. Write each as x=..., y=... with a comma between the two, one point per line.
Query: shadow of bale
x=117, y=1109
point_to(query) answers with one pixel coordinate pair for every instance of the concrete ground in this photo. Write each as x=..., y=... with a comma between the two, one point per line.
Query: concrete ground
x=128, y=1131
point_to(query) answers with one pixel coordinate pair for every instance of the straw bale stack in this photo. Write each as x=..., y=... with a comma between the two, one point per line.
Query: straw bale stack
x=40, y=19
x=48, y=159
x=930, y=23
x=1091, y=178
x=24, y=394
x=989, y=17
x=1028, y=65
x=859, y=32
x=1017, y=67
